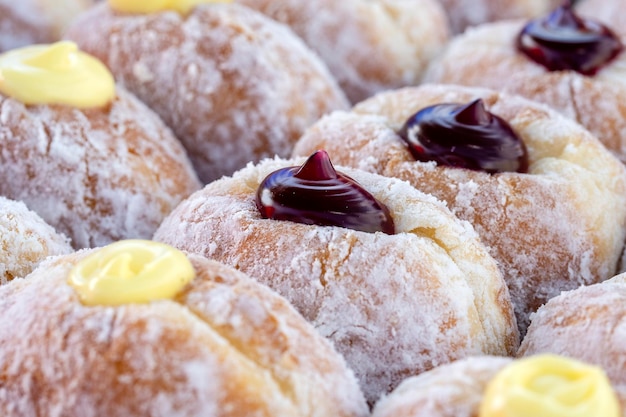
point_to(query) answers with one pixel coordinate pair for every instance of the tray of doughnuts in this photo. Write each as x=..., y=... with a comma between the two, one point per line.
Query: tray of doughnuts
x=312, y=208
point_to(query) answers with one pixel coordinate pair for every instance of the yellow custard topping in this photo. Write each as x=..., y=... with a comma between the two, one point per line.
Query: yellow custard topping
x=549, y=386
x=131, y=271
x=58, y=73
x=154, y=6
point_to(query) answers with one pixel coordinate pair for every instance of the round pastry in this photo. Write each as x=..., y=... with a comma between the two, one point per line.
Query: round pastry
x=369, y=46
x=137, y=328
x=463, y=14
x=587, y=323
x=234, y=85
x=609, y=12
x=26, y=239
x=388, y=274
x=545, y=196
x=92, y=160
x=574, y=65
x=486, y=386
x=36, y=21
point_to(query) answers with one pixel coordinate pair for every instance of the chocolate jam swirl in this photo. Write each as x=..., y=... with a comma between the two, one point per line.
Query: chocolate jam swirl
x=465, y=136
x=565, y=41
x=315, y=193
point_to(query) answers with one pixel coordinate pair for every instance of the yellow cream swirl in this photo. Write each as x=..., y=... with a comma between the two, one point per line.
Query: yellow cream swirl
x=549, y=386
x=131, y=271
x=58, y=73
x=154, y=6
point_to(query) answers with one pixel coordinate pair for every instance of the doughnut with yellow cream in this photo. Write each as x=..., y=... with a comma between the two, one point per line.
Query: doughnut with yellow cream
x=207, y=341
x=486, y=386
x=87, y=156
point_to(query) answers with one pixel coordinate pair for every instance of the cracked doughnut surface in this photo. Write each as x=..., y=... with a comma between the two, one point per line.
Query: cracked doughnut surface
x=369, y=46
x=234, y=85
x=490, y=59
x=95, y=175
x=225, y=346
x=371, y=294
x=25, y=240
x=588, y=323
x=560, y=226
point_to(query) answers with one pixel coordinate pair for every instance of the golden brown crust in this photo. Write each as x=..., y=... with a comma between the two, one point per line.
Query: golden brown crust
x=226, y=346
x=370, y=293
x=233, y=85
x=549, y=229
x=486, y=56
x=96, y=175
x=369, y=46
x=586, y=323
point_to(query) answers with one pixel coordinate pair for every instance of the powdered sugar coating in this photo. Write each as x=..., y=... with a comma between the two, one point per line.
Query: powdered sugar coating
x=558, y=227
x=371, y=294
x=233, y=85
x=451, y=390
x=95, y=175
x=26, y=239
x=486, y=56
x=27, y=22
x=369, y=46
x=609, y=12
x=467, y=13
x=586, y=324
x=225, y=346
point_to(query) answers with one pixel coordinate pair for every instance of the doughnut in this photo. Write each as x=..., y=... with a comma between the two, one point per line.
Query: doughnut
x=559, y=225
x=36, y=21
x=487, y=386
x=587, y=323
x=608, y=12
x=219, y=345
x=369, y=46
x=584, y=87
x=84, y=154
x=233, y=85
x=403, y=287
x=464, y=14
x=26, y=239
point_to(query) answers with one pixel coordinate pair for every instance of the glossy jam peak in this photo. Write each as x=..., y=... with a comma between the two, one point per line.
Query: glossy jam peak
x=465, y=136
x=565, y=41
x=315, y=193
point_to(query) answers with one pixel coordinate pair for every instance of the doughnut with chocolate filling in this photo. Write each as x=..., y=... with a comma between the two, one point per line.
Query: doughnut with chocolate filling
x=91, y=159
x=26, y=239
x=385, y=272
x=559, y=225
x=369, y=46
x=573, y=64
x=139, y=329
x=234, y=85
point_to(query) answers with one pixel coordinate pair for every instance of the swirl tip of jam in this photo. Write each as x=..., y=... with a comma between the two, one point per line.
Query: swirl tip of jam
x=316, y=194
x=563, y=40
x=464, y=135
